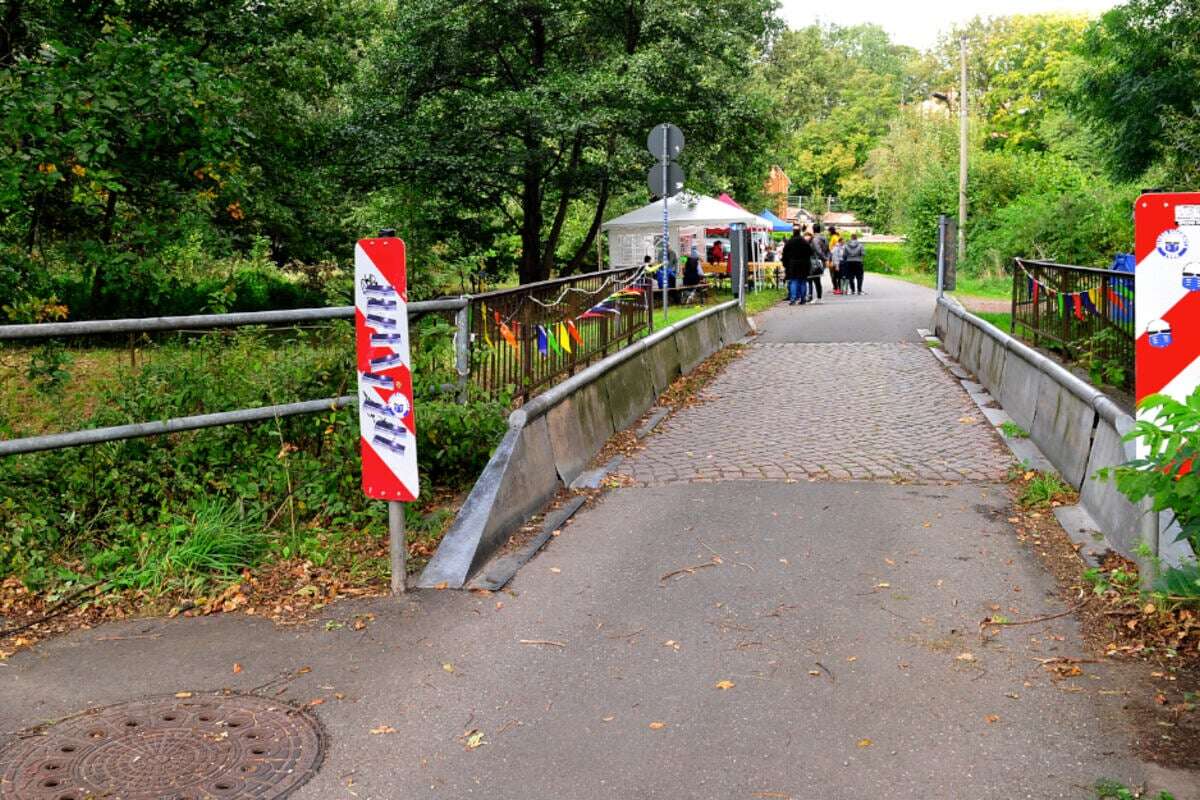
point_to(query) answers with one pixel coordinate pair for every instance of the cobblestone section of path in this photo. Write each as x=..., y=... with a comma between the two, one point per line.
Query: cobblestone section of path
x=866, y=411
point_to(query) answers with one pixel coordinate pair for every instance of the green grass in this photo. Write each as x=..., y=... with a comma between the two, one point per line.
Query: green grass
x=1001, y=319
x=756, y=302
x=893, y=260
x=1014, y=431
x=1114, y=790
x=184, y=553
x=1043, y=489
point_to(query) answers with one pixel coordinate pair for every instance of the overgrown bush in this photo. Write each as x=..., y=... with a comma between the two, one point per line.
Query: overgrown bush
x=890, y=259
x=169, y=512
x=1167, y=476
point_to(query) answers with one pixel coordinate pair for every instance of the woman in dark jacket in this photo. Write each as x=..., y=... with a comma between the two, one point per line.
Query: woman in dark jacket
x=797, y=261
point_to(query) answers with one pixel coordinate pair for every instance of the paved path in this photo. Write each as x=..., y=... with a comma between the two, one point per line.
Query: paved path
x=867, y=410
x=843, y=615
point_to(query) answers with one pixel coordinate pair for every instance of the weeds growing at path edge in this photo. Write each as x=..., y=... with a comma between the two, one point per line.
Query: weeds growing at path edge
x=1114, y=790
x=183, y=513
x=1168, y=478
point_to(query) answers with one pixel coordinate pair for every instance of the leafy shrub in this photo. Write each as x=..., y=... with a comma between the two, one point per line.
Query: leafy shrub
x=455, y=441
x=148, y=513
x=890, y=259
x=1167, y=475
x=48, y=366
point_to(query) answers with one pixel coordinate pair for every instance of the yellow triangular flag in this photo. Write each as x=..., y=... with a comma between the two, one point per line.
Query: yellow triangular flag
x=563, y=338
x=487, y=338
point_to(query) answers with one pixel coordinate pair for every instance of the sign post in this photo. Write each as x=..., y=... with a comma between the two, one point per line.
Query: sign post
x=1167, y=299
x=665, y=179
x=387, y=430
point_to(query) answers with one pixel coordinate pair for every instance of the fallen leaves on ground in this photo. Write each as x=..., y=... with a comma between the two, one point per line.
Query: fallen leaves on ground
x=382, y=730
x=865, y=743
x=473, y=739
x=236, y=668
x=657, y=726
x=725, y=684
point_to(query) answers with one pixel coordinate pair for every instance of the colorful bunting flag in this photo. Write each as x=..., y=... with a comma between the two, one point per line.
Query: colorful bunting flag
x=487, y=338
x=506, y=332
x=553, y=341
x=541, y=341
x=571, y=329
x=564, y=341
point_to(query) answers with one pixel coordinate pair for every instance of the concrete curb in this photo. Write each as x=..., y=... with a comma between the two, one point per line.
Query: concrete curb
x=551, y=438
x=1077, y=427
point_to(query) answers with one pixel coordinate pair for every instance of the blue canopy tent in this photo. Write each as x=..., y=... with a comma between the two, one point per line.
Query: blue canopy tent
x=777, y=225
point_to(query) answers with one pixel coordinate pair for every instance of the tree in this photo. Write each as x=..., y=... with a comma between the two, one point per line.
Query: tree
x=836, y=89
x=127, y=126
x=1015, y=73
x=516, y=108
x=1139, y=88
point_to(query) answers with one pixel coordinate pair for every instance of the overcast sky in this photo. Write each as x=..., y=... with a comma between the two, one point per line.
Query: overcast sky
x=918, y=24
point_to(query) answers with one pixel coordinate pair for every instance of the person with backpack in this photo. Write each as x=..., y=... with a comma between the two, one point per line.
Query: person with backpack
x=797, y=261
x=853, y=256
x=820, y=246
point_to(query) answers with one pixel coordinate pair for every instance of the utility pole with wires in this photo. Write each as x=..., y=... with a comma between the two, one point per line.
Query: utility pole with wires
x=962, y=149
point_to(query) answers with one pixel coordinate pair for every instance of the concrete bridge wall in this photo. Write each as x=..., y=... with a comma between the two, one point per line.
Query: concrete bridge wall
x=551, y=439
x=1077, y=427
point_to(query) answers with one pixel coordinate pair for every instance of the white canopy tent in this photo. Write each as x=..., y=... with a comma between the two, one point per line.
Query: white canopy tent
x=637, y=234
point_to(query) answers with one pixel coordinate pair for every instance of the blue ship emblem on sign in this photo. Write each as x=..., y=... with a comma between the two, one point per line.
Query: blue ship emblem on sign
x=1159, y=333
x=1172, y=243
x=1191, y=277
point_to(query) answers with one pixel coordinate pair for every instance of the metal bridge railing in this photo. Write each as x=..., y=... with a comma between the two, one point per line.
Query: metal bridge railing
x=1083, y=312
x=54, y=330
x=526, y=338
x=522, y=340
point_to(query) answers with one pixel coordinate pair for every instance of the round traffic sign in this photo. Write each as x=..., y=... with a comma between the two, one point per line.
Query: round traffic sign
x=665, y=140
x=671, y=174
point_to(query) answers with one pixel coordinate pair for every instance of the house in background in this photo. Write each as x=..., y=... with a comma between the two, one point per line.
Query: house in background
x=845, y=221
x=776, y=187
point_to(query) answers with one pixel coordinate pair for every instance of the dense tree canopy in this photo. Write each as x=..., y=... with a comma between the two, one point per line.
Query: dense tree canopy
x=1139, y=86
x=513, y=109
x=210, y=154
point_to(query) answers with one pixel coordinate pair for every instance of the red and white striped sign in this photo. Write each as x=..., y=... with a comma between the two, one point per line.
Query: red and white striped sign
x=1167, y=294
x=385, y=405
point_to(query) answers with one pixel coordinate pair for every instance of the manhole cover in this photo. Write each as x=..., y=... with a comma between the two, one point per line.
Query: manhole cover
x=201, y=747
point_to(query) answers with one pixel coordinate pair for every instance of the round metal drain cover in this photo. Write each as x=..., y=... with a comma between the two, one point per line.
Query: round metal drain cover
x=198, y=748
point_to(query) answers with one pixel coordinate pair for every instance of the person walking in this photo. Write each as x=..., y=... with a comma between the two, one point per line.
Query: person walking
x=797, y=258
x=820, y=261
x=835, y=257
x=692, y=274
x=853, y=256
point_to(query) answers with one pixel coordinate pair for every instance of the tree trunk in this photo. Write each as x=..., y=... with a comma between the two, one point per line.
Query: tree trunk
x=564, y=200
x=585, y=248
x=98, y=276
x=531, y=268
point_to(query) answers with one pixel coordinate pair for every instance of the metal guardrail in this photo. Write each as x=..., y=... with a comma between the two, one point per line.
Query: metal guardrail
x=1086, y=313
x=505, y=328
x=53, y=330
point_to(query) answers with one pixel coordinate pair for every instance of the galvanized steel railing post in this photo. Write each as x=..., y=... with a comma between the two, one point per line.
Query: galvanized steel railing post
x=462, y=350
